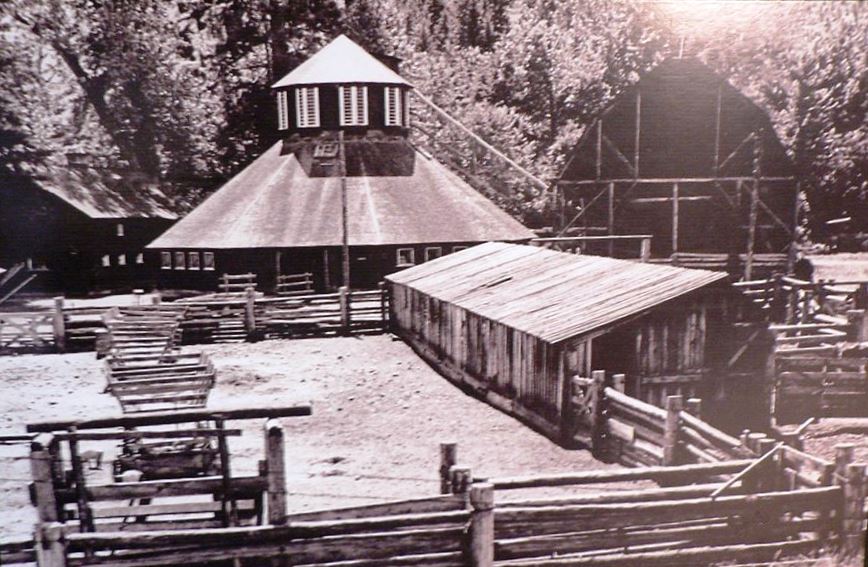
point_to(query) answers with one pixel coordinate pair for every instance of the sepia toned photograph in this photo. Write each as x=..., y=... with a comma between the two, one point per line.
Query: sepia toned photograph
x=470, y=283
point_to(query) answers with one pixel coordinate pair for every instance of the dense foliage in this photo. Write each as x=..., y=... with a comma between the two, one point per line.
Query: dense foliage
x=179, y=89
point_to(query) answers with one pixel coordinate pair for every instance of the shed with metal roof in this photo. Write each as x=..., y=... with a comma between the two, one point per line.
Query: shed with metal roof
x=516, y=323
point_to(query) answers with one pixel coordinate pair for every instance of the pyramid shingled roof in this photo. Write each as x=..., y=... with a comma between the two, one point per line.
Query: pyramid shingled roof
x=274, y=203
x=341, y=61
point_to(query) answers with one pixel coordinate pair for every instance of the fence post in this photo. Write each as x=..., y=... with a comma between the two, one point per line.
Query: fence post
x=50, y=549
x=461, y=479
x=674, y=405
x=249, y=310
x=274, y=458
x=857, y=330
x=448, y=454
x=384, y=305
x=645, y=250
x=619, y=382
x=59, y=325
x=694, y=407
x=597, y=416
x=854, y=509
x=344, y=299
x=482, y=525
x=43, y=485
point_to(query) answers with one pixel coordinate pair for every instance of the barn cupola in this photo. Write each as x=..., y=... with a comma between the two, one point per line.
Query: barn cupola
x=342, y=87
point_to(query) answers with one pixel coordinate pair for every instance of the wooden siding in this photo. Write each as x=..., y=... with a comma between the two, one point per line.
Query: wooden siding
x=521, y=371
x=662, y=353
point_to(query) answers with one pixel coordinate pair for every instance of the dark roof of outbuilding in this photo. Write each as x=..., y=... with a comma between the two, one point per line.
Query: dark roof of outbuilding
x=395, y=195
x=341, y=61
x=551, y=295
x=101, y=193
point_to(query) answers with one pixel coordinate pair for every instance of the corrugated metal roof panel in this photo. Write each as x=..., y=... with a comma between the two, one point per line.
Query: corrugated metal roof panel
x=273, y=203
x=341, y=61
x=551, y=295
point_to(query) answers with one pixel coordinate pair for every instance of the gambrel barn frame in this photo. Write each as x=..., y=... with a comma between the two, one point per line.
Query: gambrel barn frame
x=686, y=157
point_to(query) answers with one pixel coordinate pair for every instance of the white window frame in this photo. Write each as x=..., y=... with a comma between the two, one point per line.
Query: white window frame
x=191, y=265
x=401, y=264
x=430, y=249
x=357, y=113
x=119, y=229
x=393, y=106
x=282, y=110
x=122, y=259
x=165, y=260
x=106, y=260
x=208, y=262
x=307, y=107
x=180, y=260
x=140, y=258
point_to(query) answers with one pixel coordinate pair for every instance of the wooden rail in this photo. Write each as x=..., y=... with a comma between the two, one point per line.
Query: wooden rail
x=580, y=244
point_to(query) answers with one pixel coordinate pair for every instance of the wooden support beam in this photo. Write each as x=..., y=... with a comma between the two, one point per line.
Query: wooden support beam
x=621, y=157
x=675, y=218
x=749, y=138
x=717, y=115
x=754, y=202
x=666, y=180
x=476, y=138
x=638, y=133
x=345, y=230
x=611, y=217
x=171, y=417
x=599, y=147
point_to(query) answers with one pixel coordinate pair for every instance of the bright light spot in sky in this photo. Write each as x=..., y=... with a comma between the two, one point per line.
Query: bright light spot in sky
x=691, y=18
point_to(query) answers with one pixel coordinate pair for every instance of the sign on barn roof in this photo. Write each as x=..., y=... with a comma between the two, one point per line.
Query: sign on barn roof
x=551, y=295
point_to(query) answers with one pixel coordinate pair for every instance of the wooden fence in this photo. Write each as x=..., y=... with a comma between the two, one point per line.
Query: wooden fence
x=228, y=318
x=294, y=284
x=620, y=428
x=732, y=511
x=819, y=386
x=783, y=503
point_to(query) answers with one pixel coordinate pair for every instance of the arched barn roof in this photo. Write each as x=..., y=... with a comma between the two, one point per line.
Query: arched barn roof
x=678, y=121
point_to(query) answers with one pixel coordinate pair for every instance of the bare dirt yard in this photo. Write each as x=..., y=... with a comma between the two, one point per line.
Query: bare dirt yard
x=379, y=415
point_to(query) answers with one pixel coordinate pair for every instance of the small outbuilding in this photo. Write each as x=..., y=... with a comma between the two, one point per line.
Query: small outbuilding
x=80, y=227
x=344, y=178
x=684, y=156
x=517, y=322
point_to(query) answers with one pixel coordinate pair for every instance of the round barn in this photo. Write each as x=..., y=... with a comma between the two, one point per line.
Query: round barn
x=344, y=166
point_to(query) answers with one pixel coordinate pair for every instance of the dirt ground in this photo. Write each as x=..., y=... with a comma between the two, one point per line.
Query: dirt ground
x=380, y=414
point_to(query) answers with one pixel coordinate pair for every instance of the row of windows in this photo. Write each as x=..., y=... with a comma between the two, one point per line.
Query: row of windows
x=407, y=256
x=121, y=259
x=187, y=260
x=353, y=107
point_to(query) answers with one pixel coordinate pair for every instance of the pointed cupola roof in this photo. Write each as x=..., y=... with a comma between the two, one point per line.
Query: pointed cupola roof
x=341, y=61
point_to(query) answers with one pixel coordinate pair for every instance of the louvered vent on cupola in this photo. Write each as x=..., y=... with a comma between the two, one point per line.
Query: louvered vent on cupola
x=342, y=87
